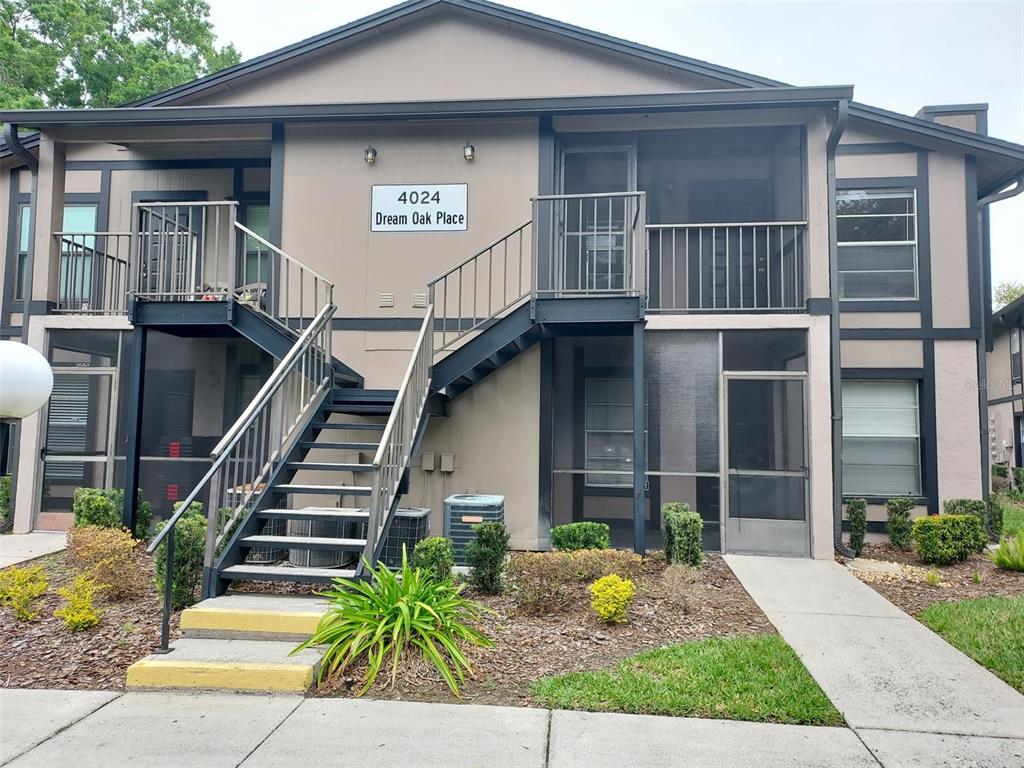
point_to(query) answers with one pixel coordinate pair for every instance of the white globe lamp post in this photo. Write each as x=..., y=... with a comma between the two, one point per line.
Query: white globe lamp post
x=26, y=381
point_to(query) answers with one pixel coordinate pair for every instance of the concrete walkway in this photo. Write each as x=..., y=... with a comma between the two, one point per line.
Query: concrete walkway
x=18, y=547
x=911, y=697
x=216, y=730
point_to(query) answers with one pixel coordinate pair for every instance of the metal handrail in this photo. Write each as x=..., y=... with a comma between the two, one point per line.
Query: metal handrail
x=701, y=225
x=394, y=452
x=93, y=278
x=309, y=358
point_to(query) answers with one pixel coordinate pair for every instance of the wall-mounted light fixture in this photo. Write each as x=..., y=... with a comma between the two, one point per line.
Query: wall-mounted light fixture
x=469, y=151
x=370, y=155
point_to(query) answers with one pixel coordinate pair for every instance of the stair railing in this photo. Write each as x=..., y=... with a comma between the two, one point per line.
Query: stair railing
x=394, y=453
x=246, y=458
x=483, y=286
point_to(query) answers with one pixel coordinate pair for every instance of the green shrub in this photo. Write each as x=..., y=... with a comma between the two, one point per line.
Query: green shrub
x=20, y=588
x=544, y=581
x=1010, y=553
x=681, y=529
x=945, y=539
x=435, y=556
x=897, y=521
x=381, y=619
x=486, y=556
x=575, y=536
x=610, y=598
x=1000, y=484
x=5, y=497
x=78, y=610
x=857, y=512
x=1000, y=470
x=105, y=507
x=189, y=550
x=1018, y=478
x=933, y=577
x=991, y=519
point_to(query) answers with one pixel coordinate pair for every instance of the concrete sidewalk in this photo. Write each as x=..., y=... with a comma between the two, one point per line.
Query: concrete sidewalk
x=911, y=697
x=214, y=730
x=18, y=547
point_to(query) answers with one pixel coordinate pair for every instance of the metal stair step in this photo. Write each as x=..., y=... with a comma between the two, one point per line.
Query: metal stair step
x=330, y=490
x=305, y=542
x=371, y=409
x=351, y=394
x=284, y=573
x=329, y=514
x=341, y=446
x=322, y=466
x=365, y=427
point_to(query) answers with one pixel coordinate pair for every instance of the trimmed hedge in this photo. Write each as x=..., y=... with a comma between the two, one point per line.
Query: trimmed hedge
x=189, y=552
x=1018, y=478
x=1000, y=470
x=574, y=536
x=945, y=539
x=681, y=529
x=104, y=507
x=897, y=521
x=991, y=518
x=857, y=512
x=434, y=555
x=486, y=556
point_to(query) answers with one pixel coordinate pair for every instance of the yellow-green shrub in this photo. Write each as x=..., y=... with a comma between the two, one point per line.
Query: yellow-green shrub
x=611, y=596
x=78, y=610
x=20, y=588
x=548, y=580
x=110, y=557
x=1010, y=554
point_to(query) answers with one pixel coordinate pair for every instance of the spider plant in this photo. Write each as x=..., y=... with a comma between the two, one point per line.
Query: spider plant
x=393, y=614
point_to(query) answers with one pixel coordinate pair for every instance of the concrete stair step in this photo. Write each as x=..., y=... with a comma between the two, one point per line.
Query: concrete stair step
x=227, y=665
x=253, y=616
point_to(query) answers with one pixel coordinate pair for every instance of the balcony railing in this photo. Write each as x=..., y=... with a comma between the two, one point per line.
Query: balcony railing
x=726, y=267
x=94, y=270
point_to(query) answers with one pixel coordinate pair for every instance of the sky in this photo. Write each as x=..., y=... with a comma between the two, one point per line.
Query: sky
x=898, y=55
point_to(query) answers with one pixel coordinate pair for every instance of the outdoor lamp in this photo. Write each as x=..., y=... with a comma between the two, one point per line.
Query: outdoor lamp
x=370, y=155
x=26, y=380
x=469, y=151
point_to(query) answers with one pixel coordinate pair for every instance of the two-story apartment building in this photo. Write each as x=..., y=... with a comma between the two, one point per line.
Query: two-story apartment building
x=456, y=247
x=1005, y=388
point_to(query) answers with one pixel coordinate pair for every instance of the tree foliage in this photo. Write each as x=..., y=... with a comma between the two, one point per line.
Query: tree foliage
x=101, y=53
x=1007, y=292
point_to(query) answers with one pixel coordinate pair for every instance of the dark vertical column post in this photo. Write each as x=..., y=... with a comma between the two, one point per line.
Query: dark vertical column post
x=639, y=454
x=276, y=210
x=545, y=479
x=136, y=382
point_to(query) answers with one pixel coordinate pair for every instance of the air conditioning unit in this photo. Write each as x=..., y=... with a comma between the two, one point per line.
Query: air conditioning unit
x=411, y=524
x=268, y=554
x=317, y=558
x=464, y=510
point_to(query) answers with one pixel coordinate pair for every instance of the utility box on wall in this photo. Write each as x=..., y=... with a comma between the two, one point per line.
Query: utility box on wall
x=464, y=510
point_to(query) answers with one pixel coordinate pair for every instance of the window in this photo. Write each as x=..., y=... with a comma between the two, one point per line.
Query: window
x=24, y=212
x=1015, y=355
x=877, y=239
x=76, y=253
x=257, y=255
x=77, y=219
x=881, y=439
x=609, y=432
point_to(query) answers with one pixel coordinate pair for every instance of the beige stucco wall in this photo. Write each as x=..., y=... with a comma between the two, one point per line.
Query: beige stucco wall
x=1002, y=420
x=217, y=183
x=956, y=415
x=881, y=354
x=493, y=430
x=950, y=285
x=872, y=166
x=880, y=320
x=998, y=365
x=451, y=57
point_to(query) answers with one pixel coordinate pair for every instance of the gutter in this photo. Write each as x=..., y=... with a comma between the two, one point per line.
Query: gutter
x=18, y=149
x=842, y=117
x=985, y=330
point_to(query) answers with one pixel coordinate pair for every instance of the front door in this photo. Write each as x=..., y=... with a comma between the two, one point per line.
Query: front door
x=592, y=238
x=766, y=492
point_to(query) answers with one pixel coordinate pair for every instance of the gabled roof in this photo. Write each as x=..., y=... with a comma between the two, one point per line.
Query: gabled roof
x=1011, y=312
x=29, y=141
x=481, y=7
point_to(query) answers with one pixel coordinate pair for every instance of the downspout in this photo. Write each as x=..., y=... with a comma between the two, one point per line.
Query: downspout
x=984, y=303
x=19, y=151
x=842, y=116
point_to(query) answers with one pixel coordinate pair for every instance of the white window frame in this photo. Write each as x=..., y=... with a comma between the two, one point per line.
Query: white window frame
x=916, y=436
x=876, y=192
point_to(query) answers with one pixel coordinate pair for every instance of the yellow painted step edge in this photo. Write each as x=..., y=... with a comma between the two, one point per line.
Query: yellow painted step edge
x=238, y=676
x=283, y=622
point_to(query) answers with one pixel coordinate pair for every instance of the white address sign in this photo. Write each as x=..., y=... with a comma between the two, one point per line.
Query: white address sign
x=418, y=207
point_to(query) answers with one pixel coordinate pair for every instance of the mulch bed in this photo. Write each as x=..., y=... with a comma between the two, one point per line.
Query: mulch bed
x=529, y=646
x=43, y=653
x=910, y=590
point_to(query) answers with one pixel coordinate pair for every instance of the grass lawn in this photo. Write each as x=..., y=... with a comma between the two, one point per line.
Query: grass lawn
x=1013, y=518
x=751, y=677
x=989, y=629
